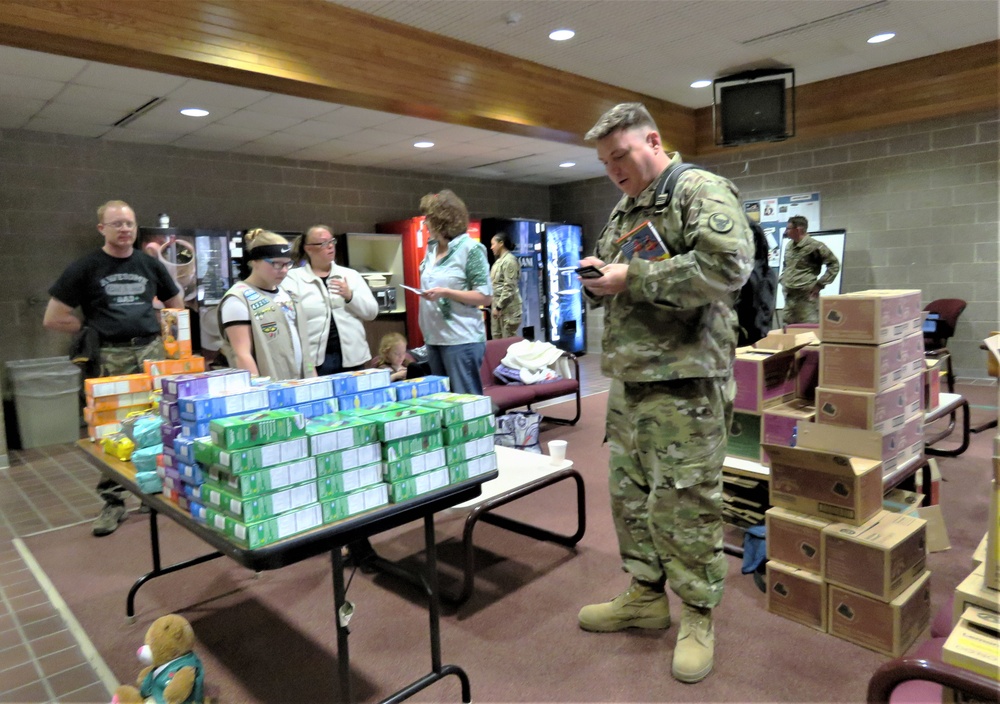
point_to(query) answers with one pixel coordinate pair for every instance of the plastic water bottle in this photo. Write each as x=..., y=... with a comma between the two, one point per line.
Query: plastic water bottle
x=795, y=436
x=164, y=220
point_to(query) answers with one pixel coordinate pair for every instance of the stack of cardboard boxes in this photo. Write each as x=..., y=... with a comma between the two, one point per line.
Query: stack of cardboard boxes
x=974, y=643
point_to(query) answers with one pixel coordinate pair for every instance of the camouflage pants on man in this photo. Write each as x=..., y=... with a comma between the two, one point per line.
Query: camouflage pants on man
x=114, y=362
x=668, y=442
x=800, y=306
x=506, y=324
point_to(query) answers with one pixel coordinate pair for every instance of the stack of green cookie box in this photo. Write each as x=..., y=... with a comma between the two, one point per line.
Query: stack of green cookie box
x=468, y=431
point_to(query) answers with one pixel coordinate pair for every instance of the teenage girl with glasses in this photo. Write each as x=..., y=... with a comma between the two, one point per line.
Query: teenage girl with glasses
x=263, y=326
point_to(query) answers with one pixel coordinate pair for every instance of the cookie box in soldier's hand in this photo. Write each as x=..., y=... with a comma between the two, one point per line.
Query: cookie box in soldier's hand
x=334, y=432
x=399, y=420
x=419, y=484
x=238, y=432
x=361, y=380
x=337, y=484
x=349, y=458
x=414, y=464
x=456, y=408
x=421, y=386
x=258, y=508
x=207, y=407
x=264, y=481
x=271, y=530
x=356, y=502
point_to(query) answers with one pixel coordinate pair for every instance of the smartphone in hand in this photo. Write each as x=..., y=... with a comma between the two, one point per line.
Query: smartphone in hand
x=589, y=272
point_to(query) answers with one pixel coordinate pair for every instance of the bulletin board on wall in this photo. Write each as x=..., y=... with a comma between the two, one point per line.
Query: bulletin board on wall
x=773, y=212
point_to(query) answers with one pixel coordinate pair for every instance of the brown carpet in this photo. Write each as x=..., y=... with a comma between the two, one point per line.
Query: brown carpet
x=270, y=637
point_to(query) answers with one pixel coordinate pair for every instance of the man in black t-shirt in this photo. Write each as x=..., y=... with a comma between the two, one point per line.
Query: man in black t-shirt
x=114, y=287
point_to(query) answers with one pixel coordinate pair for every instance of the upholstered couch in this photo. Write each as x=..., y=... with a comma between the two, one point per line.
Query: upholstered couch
x=510, y=396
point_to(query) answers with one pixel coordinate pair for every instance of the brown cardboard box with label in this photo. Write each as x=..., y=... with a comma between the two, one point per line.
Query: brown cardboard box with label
x=795, y=539
x=884, y=446
x=778, y=340
x=869, y=317
x=972, y=591
x=763, y=378
x=829, y=485
x=866, y=410
x=886, y=627
x=861, y=367
x=975, y=643
x=881, y=558
x=796, y=594
x=778, y=423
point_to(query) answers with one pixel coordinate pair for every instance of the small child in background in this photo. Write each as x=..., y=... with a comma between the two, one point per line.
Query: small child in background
x=392, y=355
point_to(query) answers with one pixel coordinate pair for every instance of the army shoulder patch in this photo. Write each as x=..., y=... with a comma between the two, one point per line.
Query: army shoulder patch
x=720, y=222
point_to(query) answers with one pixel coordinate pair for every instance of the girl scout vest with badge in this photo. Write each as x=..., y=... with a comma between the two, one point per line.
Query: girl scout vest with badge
x=273, y=348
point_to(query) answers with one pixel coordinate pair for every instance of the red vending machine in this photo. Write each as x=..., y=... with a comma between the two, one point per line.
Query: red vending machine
x=415, y=236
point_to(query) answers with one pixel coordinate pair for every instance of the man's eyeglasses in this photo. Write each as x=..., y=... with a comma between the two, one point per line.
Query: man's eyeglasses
x=280, y=265
x=324, y=243
x=119, y=224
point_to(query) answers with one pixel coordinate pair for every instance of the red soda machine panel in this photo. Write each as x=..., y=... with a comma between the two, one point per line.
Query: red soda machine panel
x=415, y=236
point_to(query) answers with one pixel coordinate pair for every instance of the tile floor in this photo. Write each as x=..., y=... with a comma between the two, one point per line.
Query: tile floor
x=52, y=487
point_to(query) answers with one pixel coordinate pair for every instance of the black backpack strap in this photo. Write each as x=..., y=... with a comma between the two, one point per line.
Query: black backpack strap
x=665, y=190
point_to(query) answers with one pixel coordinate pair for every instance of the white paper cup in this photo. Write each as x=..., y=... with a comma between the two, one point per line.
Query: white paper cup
x=557, y=451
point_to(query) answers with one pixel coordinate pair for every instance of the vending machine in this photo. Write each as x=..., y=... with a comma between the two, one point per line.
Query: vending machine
x=551, y=295
x=414, y=235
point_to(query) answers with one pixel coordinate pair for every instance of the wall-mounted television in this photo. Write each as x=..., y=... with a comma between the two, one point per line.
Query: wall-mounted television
x=753, y=107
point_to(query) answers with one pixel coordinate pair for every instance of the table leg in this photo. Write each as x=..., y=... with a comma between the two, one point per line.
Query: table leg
x=339, y=599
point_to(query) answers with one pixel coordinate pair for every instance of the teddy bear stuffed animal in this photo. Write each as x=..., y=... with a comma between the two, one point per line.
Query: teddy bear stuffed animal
x=173, y=673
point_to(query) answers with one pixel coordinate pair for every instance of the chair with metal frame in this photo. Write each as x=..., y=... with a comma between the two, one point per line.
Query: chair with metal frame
x=939, y=327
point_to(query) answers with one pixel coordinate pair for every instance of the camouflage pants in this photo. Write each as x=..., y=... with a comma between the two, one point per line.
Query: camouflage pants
x=128, y=360
x=506, y=324
x=124, y=360
x=668, y=441
x=800, y=307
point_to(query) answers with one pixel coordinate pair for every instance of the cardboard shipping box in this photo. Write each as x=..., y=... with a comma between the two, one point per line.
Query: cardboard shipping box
x=886, y=627
x=807, y=372
x=869, y=410
x=778, y=340
x=972, y=591
x=779, y=423
x=829, y=485
x=763, y=378
x=796, y=594
x=881, y=558
x=974, y=644
x=869, y=317
x=795, y=539
x=861, y=367
x=871, y=444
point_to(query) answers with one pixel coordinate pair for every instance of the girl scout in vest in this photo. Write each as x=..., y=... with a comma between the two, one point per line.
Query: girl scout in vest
x=263, y=325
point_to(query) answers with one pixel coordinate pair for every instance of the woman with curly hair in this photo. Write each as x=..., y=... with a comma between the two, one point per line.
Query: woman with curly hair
x=455, y=278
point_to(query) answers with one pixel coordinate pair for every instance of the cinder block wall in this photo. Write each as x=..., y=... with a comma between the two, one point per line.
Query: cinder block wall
x=51, y=185
x=918, y=201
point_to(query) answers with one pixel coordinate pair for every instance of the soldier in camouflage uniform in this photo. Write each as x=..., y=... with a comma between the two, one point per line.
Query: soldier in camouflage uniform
x=669, y=339
x=800, y=272
x=506, y=295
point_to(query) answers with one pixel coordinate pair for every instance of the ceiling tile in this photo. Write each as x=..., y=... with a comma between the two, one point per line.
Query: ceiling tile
x=130, y=80
x=36, y=64
x=315, y=128
x=73, y=127
x=25, y=87
x=360, y=117
x=291, y=106
x=122, y=101
x=258, y=120
x=197, y=94
x=126, y=134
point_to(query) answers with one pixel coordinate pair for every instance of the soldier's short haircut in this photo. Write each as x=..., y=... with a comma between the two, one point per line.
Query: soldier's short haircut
x=621, y=117
x=799, y=221
x=111, y=204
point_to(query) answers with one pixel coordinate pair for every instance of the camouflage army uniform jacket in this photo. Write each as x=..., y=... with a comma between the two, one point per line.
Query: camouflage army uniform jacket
x=803, y=262
x=505, y=274
x=675, y=319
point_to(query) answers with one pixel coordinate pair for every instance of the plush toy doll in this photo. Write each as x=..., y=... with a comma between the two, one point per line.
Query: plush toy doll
x=173, y=674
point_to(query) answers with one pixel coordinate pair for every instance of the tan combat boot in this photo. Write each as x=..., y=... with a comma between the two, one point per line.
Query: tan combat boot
x=640, y=606
x=694, y=654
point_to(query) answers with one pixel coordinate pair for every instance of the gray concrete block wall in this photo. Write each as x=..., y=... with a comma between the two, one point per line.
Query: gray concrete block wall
x=51, y=185
x=919, y=203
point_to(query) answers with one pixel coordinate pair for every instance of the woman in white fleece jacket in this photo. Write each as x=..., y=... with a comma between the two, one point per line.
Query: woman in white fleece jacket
x=335, y=301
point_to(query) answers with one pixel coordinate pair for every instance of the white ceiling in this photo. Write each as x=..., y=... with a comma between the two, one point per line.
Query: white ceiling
x=655, y=47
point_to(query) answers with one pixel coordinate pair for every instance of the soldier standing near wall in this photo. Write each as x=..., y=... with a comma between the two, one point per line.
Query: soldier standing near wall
x=800, y=272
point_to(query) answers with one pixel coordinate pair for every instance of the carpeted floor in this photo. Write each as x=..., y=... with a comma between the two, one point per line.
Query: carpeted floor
x=270, y=637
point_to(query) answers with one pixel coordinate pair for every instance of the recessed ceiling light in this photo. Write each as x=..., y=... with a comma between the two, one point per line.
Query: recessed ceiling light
x=567, y=164
x=879, y=38
x=423, y=145
x=194, y=112
x=701, y=84
x=561, y=35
